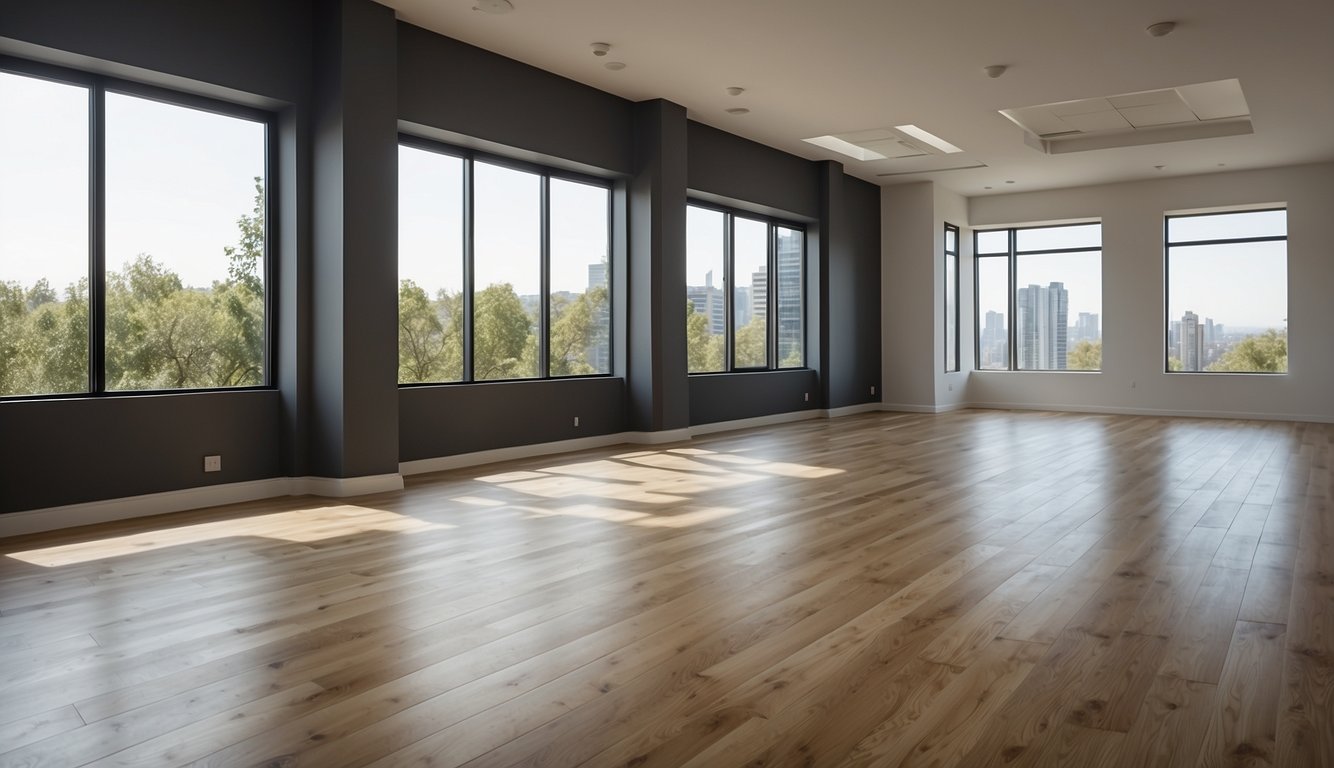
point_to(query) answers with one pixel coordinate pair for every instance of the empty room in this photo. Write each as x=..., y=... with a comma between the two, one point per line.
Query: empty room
x=666, y=383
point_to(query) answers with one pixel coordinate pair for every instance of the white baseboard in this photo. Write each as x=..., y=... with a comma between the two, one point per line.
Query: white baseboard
x=342, y=487
x=1164, y=412
x=657, y=438
x=149, y=504
x=851, y=410
x=908, y=408
x=88, y=513
x=755, y=421
x=458, y=461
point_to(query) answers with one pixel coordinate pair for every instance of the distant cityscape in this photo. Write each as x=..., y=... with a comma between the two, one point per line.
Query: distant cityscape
x=1042, y=329
x=750, y=302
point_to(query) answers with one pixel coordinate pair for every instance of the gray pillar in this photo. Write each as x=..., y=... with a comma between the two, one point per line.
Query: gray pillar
x=659, y=394
x=354, y=297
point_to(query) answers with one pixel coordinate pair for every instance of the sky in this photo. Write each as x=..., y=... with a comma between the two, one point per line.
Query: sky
x=177, y=180
x=507, y=225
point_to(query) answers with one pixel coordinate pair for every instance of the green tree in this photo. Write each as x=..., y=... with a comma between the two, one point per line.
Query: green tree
x=501, y=335
x=577, y=326
x=704, y=350
x=1263, y=353
x=1086, y=356
x=1174, y=363
x=430, y=342
x=246, y=258
x=752, y=344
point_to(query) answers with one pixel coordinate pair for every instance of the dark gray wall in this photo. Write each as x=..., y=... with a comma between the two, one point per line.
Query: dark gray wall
x=480, y=417
x=852, y=324
x=726, y=396
x=336, y=410
x=741, y=172
x=355, y=276
x=455, y=87
x=69, y=451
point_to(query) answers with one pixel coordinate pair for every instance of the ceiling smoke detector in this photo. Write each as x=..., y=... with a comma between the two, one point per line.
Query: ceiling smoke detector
x=738, y=111
x=496, y=7
x=615, y=66
x=600, y=49
x=735, y=90
x=995, y=70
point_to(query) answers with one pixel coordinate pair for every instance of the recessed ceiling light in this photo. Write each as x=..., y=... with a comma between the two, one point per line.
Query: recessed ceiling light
x=929, y=138
x=995, y=70
x=600, y=49
x=738, y=111
x=835, y=144
x=615, y=66
x=986, y=187
x=1159, y=167
x=496, y=7
x=1009, y=181
x=1160, y=29
x=735, y=90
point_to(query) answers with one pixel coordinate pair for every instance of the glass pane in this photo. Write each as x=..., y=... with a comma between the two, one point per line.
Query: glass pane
x=43, y=237
x=951, y=312
x=705, y=308
x=1050, y=289
x=791, y=256
x=1052, y=238
x=750, y=303
x=993, y=301
x=430, y=266
x=1227, y=308
x=507, y=276
x=1224, y=226
x=580, y=325
x=184, y=247
x=951, y=240
x=993, y=241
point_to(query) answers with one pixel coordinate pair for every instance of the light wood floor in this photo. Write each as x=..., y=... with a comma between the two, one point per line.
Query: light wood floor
x=979, y=588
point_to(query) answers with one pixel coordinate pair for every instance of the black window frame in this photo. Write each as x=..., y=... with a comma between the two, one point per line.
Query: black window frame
x=772, y=224
x=1167, y=275
x=1012, y=254
x=98, y=86
x=952, y=257
x=546, y=174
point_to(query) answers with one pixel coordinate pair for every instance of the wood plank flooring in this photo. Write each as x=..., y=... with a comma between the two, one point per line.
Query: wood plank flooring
x=980, y=588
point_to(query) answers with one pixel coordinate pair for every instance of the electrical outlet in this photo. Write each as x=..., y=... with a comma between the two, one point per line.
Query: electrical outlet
x=805, y=397
x=576, y=421
x=873, y=389
x=951, y=387
x=1132, y=385
x=212, y=463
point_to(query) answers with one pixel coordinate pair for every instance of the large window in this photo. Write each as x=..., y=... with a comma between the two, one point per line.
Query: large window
x=951, y=298
x=1047, y=281
x=503, y=270
x=132, y=238
x=1227, y=292
x=744, y=292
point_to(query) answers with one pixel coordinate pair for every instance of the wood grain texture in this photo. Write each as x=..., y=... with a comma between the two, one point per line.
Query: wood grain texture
x=969, y=589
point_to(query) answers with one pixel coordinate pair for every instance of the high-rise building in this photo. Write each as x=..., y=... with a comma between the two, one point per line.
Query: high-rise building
x=759, y=293
x=1208, y=330
x=1192, y=342
x=1086, y=328
x=994, y=344
x=1041, y=326
x=788, y=295
x=708, y=301
x=598, y=353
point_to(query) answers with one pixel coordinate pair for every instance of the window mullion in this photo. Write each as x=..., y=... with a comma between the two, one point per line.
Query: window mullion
x=729, y=294
x=97, y=275
x=544, y=283
x=1013, y=330
x=468, y=244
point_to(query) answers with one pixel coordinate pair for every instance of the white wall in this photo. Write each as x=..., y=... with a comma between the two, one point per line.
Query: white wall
x=951, y=388
x=1133, y=320
x=909, y=327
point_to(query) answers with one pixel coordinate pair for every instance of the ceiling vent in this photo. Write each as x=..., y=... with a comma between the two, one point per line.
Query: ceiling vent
x=1184, y=113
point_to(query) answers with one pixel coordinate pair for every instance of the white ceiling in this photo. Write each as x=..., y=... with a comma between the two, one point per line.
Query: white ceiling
x=817, y=67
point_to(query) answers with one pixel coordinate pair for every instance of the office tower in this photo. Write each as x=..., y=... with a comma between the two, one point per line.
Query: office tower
x=788, y=295
x=1041, y=326
x=708, y=301
x=1192, y=342
x=1208, y=330
x=994, y=343
x=1086, y=327
x=598, y=353
x=759, y=293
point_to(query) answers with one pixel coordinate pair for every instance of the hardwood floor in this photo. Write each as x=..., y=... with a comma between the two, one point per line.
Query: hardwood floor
x=978, y=588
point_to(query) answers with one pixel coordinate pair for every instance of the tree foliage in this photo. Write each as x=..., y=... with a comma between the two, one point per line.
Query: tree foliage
x=704, y=350
x=1086, y=356
x=1263, y=353
x=160, y=333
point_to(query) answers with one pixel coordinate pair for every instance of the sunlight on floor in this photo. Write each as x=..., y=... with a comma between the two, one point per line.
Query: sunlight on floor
x=298, y=525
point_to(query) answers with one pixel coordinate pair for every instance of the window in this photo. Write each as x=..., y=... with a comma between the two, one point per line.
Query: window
x=744, y=292
x=1049, y=280
x=1227, y=292
x=503, y=270
x=133, y=242
x=951, y=298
